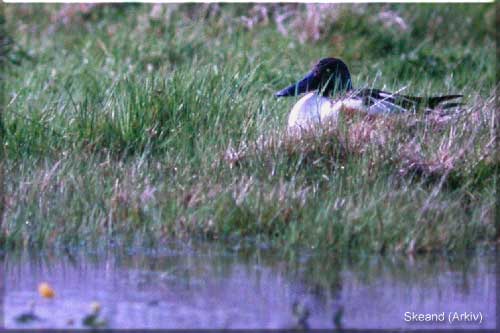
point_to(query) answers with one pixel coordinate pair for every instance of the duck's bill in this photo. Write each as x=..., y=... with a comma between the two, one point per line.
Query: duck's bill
x=308, y=83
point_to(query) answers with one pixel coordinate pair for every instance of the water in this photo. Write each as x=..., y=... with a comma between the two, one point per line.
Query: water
x=208, y=287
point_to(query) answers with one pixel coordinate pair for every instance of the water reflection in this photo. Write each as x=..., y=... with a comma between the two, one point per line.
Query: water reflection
x=208, y=287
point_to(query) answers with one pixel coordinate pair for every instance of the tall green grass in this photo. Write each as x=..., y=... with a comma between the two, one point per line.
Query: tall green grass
x=137, y=126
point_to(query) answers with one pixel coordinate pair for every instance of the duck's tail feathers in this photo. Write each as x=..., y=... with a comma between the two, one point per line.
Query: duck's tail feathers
x=451, y=105
x=433, y=102
x=409, y=102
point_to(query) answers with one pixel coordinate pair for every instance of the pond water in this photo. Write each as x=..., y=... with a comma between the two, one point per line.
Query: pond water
x=210, y=287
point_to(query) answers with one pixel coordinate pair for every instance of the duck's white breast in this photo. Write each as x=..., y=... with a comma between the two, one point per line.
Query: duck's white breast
x=312, y=109
x=305, y=112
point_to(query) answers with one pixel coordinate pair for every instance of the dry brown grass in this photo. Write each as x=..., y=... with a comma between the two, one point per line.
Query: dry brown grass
x=435, y=144
x=307, y=22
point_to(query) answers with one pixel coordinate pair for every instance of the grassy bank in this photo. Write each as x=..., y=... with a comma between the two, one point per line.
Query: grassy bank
x=140, y=123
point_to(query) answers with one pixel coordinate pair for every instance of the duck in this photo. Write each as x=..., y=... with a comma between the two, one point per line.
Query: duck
x=330, y=77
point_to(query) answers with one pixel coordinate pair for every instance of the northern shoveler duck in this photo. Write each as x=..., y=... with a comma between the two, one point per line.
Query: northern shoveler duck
x=330, y=76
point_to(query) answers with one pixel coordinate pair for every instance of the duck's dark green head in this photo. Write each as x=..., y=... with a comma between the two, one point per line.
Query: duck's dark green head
x=329, y=75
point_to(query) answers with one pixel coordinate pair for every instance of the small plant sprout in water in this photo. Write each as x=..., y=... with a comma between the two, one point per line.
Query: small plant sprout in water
x=29, y=315
x=337, y=318
x=301, y=313
x=45, y=290
x=93, y=320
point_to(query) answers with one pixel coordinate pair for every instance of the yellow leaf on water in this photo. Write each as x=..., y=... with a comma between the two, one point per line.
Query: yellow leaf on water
x=45, y=290
x=95, y=307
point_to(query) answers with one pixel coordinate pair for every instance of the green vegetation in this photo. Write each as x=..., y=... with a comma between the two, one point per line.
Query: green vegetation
x=139, y=123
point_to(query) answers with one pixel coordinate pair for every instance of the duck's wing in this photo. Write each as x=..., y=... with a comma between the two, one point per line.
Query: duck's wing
x=373, y=96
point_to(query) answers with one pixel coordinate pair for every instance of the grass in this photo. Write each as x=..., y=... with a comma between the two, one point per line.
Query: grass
x=138, y=124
